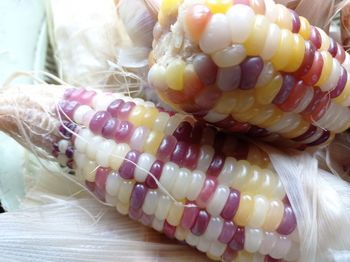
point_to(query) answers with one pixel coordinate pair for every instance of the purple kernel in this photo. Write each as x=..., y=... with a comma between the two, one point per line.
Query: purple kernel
x=191, y=157
x=98, y=121
x=229, y=255
x=237, y=242
x=201, y=223
x=166, y=147
x=169, y=230
x=288, y=223
x=156, y=171
x=110, y=128
x=341, y=83
x=310, y=132
x=231, y=205
x=114, y=107
x=315, y=37
x=127, y=168
x=333, y=47
x=308, y=59
x=179, y=153
x=138, y=196
x=228, y=79
x=324, y=137
x=287, y=86
x=251, y=68
x=228, y=230
x=125, y=109
x=216, y=165
x=205, y=69
x=69, y=152
x=189, y=216
x=295, y=21
x=183, y=132
x=123, y=132
x=135, y=214
x=207, y=191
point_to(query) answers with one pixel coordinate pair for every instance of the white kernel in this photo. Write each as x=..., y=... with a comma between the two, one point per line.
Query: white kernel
x=104, y=151
x=118, y=155
x=218, y=201
x=181, y=184
x=216, y=34
x=241, y=19
x=198, y=178
x=79, y=113
x=253, y=239
x=151, y=202
x=143, y=166
x=113, y=183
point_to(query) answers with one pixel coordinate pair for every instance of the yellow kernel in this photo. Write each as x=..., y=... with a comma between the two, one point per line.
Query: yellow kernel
x=284, y=17
x=167, y=9
x=245, y=100
x=226, y=103
x=247, y=115
x=254, y=155
x=274, y=216
x=265, y=95
x=175, y=213
x=326, y=69
x=325, y=40
x=89, y=171
x=153, y=141
x=284, y=53
x=277, y=115
x=345, y=94
x=256, y=40
x=174, y=75
x=125, y=191
x=299, y=130
x=245, y=209
x=241, y=174
x=136, y=115
x=305, y=29
x=218, y=6
x=298, y=54
x=122, y=208
x=244, y=256
x=150, y=116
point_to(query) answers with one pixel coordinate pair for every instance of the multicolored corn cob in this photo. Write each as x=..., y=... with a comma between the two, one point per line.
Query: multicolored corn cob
x=248, y=65
x=183, y=178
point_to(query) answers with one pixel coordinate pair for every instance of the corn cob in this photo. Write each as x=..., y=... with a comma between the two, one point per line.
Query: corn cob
x=251, y=63
x=130, y=153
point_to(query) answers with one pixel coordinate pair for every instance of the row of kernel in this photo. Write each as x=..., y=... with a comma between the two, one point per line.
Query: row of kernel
x=103, y=122
x=194, y=157
x=251, y=41
x=204, y=190
x=123, y=131
x=143, y=204
x=140, y=200
x=289, y=19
